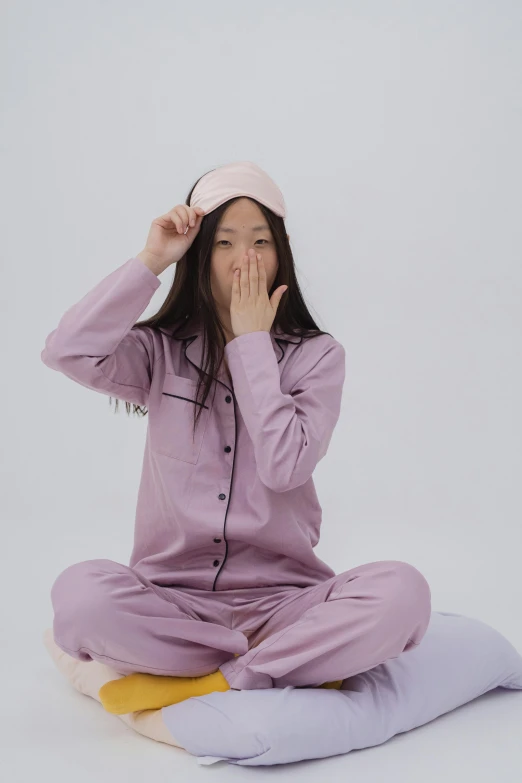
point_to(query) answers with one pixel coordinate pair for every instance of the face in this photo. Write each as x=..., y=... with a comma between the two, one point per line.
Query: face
x=242, y=226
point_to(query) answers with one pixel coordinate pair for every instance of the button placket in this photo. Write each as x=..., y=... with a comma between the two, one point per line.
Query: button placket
x=222, y=495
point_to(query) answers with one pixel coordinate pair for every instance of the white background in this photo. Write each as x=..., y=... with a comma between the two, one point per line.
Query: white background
x=393, y=130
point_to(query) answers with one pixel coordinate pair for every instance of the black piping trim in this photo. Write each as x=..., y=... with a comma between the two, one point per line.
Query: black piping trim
x=189, y=399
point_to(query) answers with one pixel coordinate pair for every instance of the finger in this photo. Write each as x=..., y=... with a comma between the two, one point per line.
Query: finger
x=176, y=219
x=253, y=275
x=235, y=288
x=195, y=215
x=261, y=273
x=183, y=212
x=276, y=297
x=244, y=285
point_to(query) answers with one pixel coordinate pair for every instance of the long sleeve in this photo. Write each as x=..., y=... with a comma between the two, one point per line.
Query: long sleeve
x=290, y=432
x=95, y=343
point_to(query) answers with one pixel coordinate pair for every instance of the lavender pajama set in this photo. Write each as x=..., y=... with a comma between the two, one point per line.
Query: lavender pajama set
x=223, y=573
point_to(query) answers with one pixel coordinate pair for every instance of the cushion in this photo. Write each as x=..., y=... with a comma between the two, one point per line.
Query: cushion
x=459, y=659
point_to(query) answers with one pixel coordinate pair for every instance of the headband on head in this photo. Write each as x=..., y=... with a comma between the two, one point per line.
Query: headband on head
x=243, y=178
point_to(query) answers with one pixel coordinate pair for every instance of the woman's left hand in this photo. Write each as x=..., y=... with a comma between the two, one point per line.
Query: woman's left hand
x=250, y=308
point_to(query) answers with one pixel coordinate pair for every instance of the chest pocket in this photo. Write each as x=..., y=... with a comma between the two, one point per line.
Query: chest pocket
x=172, y=429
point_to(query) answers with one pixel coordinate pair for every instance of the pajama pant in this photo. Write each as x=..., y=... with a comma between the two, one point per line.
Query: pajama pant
x=298, y=636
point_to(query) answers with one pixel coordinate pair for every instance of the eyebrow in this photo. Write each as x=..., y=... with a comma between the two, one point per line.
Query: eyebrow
x=229, y=230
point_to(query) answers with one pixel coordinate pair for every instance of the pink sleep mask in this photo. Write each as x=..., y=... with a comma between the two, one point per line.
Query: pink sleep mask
x=243, y=178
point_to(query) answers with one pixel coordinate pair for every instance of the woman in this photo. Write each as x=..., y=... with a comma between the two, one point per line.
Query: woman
x=243, y=391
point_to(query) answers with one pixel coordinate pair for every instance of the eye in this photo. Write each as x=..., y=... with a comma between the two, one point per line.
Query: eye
x=226, y=240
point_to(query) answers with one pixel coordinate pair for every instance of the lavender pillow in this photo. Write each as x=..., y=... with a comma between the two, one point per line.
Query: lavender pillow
x=458, y=660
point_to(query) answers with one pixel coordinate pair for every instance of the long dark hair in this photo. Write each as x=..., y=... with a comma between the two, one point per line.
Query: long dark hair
x=190, y=298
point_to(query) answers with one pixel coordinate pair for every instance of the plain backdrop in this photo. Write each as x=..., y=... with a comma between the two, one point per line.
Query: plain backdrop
x=393, y=130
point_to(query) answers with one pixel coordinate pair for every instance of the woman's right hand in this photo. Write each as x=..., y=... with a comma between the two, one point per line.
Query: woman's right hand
x=167, y=241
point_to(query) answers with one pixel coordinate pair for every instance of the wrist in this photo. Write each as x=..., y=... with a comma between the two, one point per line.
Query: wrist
x=152, y=262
